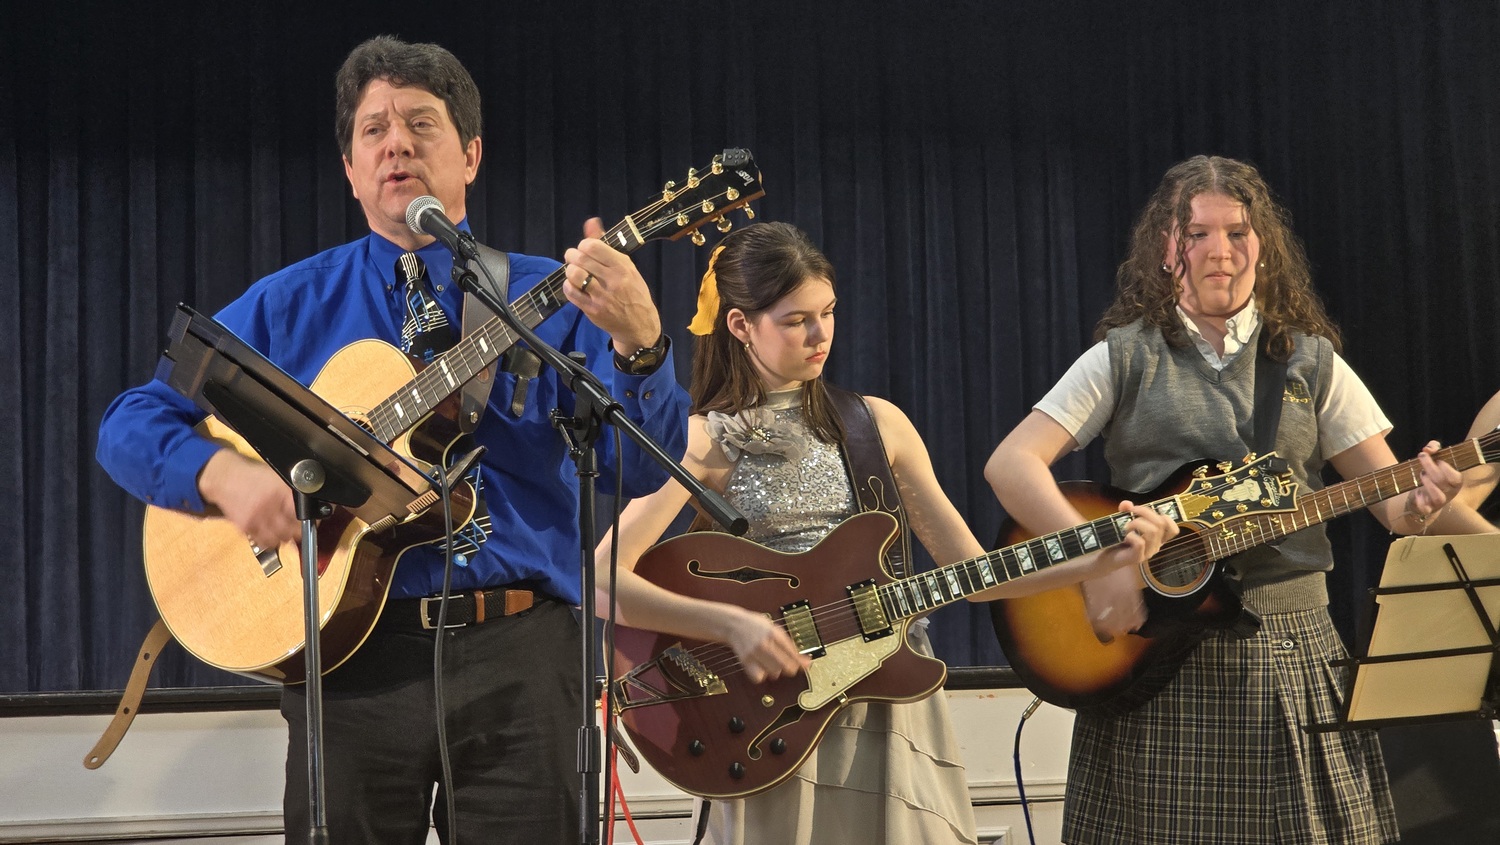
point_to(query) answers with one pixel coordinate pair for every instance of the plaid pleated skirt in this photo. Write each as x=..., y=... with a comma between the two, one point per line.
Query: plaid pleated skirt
x=1221, y=755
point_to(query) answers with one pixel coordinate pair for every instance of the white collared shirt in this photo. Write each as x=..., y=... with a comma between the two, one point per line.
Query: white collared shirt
x=1240, y=328
x=1083, y=400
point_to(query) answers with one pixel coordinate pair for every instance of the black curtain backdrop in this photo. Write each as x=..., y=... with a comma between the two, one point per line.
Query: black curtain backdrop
x=971, y=168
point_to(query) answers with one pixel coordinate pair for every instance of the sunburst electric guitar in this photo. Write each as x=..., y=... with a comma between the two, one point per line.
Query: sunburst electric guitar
x=693, y=715
x=239, y=607
x=1048, y=638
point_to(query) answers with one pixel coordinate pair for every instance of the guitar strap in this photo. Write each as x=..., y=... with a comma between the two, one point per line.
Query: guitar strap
x=475, y=393
x=1270, y=385
x=130, y=702
x=870, y=471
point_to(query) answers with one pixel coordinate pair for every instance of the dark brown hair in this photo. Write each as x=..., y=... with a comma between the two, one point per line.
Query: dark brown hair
x=756, y=267
x=1283, y=286
x=426, y=66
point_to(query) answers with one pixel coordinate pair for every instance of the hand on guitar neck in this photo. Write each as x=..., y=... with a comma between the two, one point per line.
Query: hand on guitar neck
x=252, y=496
x=606, y=286
x=1114, y=601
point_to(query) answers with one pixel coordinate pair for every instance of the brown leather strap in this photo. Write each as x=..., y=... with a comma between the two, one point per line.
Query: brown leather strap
x=870, y=470
x=130, y=702
x=474, y=396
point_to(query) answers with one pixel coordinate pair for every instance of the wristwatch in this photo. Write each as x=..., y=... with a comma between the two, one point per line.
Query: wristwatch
x=644, y=361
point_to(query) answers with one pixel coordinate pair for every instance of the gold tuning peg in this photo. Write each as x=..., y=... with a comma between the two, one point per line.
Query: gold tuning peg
x=725, y=224
x=718, y=165
x=749, y=213
x=666, y=192
x=698, y=238
x=692, y=177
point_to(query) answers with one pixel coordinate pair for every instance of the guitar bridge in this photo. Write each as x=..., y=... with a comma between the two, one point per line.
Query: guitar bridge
x=678, y=675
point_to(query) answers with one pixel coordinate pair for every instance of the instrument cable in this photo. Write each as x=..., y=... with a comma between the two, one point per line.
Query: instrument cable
x=446, y=765
x=1016, y=756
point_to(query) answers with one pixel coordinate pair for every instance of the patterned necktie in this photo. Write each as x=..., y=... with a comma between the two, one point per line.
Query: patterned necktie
x=426, y=332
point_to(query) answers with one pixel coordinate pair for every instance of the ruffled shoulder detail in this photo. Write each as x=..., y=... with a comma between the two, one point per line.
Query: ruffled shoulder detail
x=755, y=431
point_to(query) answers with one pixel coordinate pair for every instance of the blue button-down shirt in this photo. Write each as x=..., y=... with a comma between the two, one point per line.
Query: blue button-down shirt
x=300, y=317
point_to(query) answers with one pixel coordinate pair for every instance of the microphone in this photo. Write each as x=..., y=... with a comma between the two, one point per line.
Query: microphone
x=426, y=216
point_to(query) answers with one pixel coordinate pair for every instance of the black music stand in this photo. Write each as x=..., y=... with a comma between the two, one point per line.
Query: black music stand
x=324, y=456
x=1432, y=652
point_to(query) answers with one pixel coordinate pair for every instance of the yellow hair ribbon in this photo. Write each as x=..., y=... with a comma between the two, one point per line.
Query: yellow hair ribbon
x=708, y=299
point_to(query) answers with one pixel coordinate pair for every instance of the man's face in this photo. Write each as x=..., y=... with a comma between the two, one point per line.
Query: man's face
x=405, y=146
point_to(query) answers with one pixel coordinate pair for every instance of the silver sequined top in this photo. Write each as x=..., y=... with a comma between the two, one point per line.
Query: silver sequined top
x=791, y=504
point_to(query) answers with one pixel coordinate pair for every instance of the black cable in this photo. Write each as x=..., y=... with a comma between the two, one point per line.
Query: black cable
x=1020, y=782
x=607, y=712
x=446, y=765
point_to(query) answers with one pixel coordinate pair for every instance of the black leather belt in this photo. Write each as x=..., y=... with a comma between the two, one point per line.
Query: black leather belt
x=469, y=608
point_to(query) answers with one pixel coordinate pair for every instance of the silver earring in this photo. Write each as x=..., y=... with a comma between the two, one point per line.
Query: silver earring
x=1165, y=268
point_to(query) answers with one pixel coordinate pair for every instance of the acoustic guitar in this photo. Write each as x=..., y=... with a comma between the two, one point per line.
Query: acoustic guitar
x=239, y=607
x=1048, y=637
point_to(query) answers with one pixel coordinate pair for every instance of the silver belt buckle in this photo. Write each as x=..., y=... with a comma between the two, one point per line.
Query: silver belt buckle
x=427, y=619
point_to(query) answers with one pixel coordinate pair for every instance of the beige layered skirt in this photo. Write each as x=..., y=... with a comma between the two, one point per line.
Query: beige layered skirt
x=883, y=773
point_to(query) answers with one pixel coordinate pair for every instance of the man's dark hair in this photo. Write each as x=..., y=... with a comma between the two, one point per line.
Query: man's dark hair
x=426, y=66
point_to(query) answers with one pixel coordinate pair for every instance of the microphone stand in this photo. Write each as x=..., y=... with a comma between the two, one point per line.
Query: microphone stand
x=593, y=406
x=306, y=478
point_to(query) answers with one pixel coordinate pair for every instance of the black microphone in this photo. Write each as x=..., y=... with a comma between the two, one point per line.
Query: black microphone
x=426, y=216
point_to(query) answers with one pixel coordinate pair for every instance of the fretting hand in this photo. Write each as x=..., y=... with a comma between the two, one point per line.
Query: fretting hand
x=606, y=286
x=1114, y=601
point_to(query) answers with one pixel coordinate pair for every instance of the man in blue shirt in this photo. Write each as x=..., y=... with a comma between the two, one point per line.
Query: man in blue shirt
x=408, y=123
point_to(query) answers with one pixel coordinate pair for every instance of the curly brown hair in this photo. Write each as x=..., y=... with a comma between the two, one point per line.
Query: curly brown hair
x=1283, y=281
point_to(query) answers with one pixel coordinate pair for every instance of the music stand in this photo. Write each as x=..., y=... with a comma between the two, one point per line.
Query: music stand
x=326, y=458
x=1432, y=651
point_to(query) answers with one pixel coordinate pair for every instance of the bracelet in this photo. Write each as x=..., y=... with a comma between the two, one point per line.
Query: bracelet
x=1416, y=517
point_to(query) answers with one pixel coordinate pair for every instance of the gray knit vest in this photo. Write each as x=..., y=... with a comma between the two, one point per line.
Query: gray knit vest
x=1173, y=408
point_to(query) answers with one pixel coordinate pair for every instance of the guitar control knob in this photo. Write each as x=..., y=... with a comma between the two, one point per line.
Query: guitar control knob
x=736, y=724
x=778, y=746
x=696, y=748
x=736, y=770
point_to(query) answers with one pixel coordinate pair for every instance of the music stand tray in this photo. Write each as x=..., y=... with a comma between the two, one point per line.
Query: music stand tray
x=286, y=422
x=1431, y=655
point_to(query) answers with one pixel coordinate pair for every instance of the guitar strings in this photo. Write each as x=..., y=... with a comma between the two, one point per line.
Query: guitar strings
x=1186, y=549
x=428, y=383
x=837, y=621
x=1262, y=527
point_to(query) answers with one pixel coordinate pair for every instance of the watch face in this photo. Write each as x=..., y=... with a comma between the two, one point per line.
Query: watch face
x=644, y=360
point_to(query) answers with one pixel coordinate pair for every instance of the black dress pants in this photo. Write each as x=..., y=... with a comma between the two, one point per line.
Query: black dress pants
x=513, y=699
